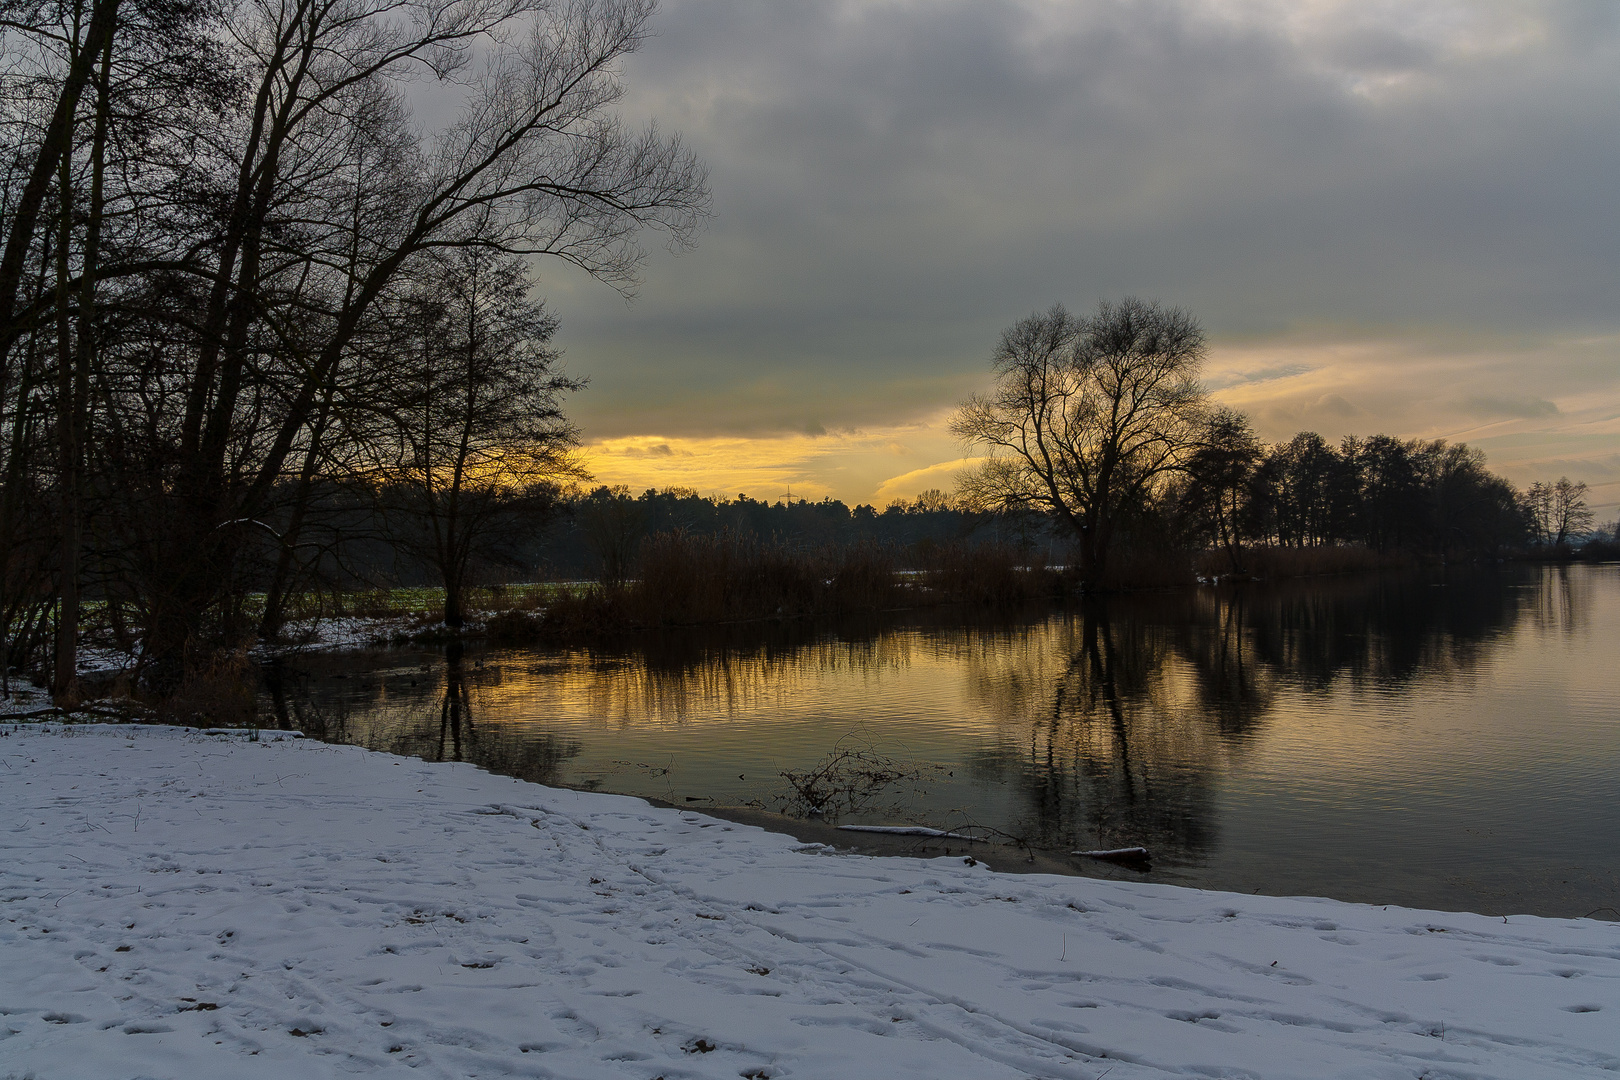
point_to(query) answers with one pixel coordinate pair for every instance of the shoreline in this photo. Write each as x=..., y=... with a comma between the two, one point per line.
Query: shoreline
x=999, y=857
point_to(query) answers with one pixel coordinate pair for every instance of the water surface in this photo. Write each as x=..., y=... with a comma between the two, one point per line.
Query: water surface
x=1442, y=741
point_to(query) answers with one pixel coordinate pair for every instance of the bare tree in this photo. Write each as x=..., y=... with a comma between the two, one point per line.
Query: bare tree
x=90, y=95
x=1088, y=417
x=481, y=446
x=317, y=197
x=1569, y=516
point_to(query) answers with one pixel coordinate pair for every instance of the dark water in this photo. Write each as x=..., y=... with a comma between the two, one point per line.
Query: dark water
x=1449, y=742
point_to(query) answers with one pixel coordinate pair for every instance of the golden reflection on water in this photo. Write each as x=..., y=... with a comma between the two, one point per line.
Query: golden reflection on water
x=720, y=685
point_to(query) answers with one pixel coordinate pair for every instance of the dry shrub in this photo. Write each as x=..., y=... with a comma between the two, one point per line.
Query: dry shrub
x=587, y=613
x=512, y=625
x=1600, y=550
x=699, y=579
x=222, y=691
x=863, y=579
x=854, y=778
x=686, y=579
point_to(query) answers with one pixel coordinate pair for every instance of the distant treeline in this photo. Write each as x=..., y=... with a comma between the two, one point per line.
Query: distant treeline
x=1381, y=495
x=1386, y=494
x=599, y=533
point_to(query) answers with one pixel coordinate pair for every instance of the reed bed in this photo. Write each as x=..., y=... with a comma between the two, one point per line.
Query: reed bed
x=1149, y=568
x=685, y=579
x=987, y=574
x=1271, y=563
x=689, y=579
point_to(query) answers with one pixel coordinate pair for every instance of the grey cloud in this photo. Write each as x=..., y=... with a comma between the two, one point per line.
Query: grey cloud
x=1487, y=407
x=1380, y=50
x=1262, y=375
x=896, y=182
x=658, y=450
x=1336, y=405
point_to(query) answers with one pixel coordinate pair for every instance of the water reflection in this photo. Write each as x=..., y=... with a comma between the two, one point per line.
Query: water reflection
x=677, y=677
x=1213, y=727
x=452, y=728
x=1098, y=736
x=1562, y=603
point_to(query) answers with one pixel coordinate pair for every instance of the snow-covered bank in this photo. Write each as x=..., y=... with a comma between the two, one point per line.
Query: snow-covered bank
x=176, y=904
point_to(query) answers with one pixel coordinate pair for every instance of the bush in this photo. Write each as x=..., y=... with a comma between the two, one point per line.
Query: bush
x=223, y=692
x=513, y=625
x=688, y=579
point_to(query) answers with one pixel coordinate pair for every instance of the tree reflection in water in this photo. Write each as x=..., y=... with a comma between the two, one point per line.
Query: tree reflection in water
x=672, y=676
x=1118, y=720
x=438, y=725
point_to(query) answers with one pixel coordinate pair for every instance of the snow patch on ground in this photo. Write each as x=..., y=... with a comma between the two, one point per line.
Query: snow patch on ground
x=338, y=632
x=184, y=904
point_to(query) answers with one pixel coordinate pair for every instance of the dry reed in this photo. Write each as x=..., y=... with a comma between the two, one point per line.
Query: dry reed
x=1273, y=563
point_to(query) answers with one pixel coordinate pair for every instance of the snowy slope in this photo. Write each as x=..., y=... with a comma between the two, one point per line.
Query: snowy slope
x=175, y=904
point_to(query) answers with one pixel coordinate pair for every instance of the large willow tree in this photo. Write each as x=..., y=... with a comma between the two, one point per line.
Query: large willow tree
x=1088, y=418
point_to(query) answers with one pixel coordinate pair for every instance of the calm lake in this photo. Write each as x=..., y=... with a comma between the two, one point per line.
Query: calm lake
x=1439, y=741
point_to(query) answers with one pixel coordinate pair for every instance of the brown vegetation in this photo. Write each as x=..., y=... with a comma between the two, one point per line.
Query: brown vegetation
x=223, y=690
x=686, y=579
x=965, y=573
x=1272, y=563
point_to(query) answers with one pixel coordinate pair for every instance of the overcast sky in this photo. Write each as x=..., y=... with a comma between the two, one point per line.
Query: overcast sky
x=1396, y=217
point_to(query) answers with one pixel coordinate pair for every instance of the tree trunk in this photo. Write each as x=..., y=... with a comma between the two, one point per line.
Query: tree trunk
x=73, y=387
x=1095, y=539
x=454, y=616
x=65, y=673
x=275, y=598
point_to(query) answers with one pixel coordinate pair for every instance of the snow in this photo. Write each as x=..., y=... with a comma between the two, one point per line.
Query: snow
x=337, y=633
x=179, y=904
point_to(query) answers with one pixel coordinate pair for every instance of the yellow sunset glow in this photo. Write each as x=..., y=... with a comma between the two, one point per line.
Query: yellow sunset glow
x=871, y=465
